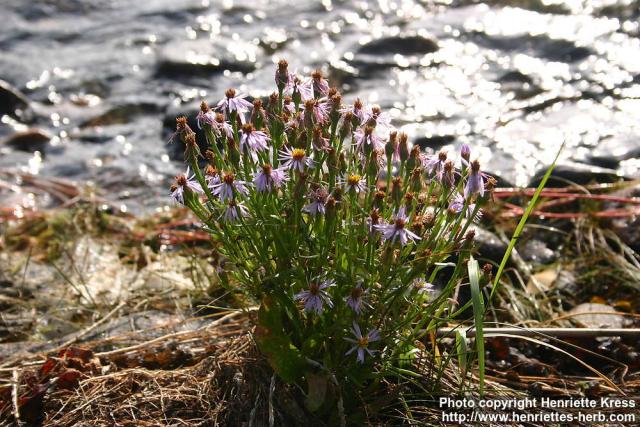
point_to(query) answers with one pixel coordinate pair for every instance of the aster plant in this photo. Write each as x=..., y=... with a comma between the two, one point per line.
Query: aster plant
x=334, y=224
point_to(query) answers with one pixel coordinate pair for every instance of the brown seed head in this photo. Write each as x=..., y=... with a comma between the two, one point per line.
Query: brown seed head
x=230, y=93
x=228, y=178
x=211, y=170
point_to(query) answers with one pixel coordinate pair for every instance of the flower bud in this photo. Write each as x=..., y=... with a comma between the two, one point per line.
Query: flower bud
x=403, y=148
x=396, y=189
x=391, y=146
x=282, y=74
x=465, y=152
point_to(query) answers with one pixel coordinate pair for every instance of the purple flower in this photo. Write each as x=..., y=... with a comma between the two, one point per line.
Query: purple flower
x=234, y=211
x=475, y=181
x=233, y=102
x=465, y=154
x=256, y=140
x=397, y=229
x=269, y=178
x=226, y=187
x=184, y=183
x=316, y=296
x=355, y=300
x=367, y=137
x=353, y=182
x=315, y=113
x=320, y=85
x=227, y=128
x=355, y=110
x=302, y=88
x=208, y=118
x=457, y=204
x=423, y=287
x=374, y=117
x=361, y=343
x=435, y=164
x=295, y=158
x=318, y=200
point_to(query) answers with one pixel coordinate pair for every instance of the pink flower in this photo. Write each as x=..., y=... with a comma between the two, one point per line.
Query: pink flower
x=183, y=184
x=295, y=158
x=397, y=229
x=255, y=140
x=234, y=211
x=233, y=102
x=316, y=296
x=269, y=178
x=367, y=137
x=300, y=87
x=228, y=186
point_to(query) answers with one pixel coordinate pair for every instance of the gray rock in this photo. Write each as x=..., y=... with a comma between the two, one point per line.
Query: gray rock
x=199, y=57
x=13, y=102
x=578, y=173
x=489, y=246
x=611, y=151
x=29, y=140
x=381, y=54
x=536, y=251
x=121, y=114
x=404, y=45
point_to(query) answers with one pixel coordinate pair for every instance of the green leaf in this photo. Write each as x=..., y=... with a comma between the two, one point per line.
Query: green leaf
x=478, y=315
x=285, y=358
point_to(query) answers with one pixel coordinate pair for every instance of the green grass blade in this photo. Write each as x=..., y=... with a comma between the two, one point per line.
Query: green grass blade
x=523, y=221
x=478, y=315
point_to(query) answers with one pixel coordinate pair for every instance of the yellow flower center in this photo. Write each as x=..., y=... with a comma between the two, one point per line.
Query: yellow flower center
x=298, y=154
x=363, y=342
x=353, y=179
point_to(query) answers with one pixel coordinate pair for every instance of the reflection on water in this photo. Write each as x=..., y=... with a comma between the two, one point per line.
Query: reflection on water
x=513, y=78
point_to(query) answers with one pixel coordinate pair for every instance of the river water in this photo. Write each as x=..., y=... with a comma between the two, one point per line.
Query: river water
x=105, y=79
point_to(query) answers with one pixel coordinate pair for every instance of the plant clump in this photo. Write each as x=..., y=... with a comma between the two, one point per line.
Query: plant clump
x=352, y=241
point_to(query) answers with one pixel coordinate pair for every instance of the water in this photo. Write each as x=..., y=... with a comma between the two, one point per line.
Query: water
x=514, y=79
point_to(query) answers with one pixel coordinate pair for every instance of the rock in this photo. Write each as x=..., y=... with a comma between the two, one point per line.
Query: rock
x=557, y=50
x=29, y=140
x=436, y=141
x=489, y=246
x=537, y=252
x=122, y=114
x=588, y=315
x=202, y=57
x=407, y=45
x=520, y=84
x=382, y=53
x=13, y=102
x=611, y=151
x=566, y=282
x=577, y=173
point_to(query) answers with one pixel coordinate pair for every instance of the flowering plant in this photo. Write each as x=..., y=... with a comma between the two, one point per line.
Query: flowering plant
x=327, y=217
